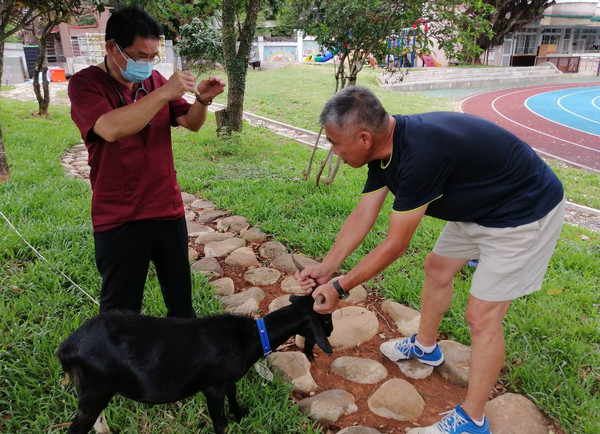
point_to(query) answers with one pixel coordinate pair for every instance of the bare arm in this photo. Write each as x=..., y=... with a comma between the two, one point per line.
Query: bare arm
x=355, y=228
x=196, y=115
x=401, y=229
x=353, y=232
x=131, y=119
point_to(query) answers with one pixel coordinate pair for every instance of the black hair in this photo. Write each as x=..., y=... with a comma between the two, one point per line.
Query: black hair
x=127, y=23
x=354, y=108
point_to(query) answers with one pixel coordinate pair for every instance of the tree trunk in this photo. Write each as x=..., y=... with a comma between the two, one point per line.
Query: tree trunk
x=342, y=80
x=236, y=50
x=4, y=172
x=41, y=68
x=236, y=79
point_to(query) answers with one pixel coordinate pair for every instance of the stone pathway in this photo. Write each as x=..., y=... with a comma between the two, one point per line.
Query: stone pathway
x=355, y=390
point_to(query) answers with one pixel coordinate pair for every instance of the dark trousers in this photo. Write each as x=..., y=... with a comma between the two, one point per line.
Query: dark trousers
x=123, y=256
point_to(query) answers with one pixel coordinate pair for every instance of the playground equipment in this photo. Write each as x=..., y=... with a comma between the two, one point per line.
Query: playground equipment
x=328, y=55
x=406, y=46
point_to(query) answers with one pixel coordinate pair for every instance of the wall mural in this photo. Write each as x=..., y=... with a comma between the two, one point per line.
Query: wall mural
x=280, y=54
x=310, y=48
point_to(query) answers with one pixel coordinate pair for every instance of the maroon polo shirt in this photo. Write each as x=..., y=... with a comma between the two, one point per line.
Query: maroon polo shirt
x=133, y=178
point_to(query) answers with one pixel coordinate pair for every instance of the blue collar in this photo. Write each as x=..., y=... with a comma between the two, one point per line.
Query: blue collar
x=264, y=337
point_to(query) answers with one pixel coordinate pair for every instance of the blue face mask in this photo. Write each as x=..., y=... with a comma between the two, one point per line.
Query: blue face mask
x=136, y=71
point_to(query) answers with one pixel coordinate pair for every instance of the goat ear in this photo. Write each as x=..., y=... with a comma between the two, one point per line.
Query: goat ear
x=307, y=299
x=319, y=334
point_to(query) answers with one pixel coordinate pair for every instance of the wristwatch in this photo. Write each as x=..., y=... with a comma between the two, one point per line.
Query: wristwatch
x=209, y=102
x=342, y=294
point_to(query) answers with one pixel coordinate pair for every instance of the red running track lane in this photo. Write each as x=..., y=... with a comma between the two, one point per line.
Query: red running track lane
x=507, y=108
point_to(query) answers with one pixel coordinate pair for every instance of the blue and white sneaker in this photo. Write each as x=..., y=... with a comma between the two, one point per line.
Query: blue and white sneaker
x=455, y=422
x=406, y=349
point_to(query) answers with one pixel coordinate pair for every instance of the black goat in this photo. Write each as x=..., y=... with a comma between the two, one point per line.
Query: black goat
x=159, y=360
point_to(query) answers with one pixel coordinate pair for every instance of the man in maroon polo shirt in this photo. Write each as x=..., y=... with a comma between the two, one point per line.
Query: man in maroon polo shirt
x=125, y=110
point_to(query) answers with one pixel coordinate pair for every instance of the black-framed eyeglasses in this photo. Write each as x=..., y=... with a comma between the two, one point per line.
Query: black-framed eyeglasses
x=155, y=60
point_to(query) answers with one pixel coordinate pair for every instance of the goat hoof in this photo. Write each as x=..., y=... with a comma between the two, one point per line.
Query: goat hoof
x=240, y=414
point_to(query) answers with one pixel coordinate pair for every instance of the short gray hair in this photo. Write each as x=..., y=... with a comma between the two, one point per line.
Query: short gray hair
x=356, y=106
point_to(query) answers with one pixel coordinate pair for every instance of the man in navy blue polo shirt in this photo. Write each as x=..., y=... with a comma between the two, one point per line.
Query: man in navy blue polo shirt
x=503, y=206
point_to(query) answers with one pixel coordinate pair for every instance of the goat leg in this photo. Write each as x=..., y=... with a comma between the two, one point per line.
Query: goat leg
x=238, y=411
x=215, y=401
x=93, y=394
x=309, y=344
x=87, y=414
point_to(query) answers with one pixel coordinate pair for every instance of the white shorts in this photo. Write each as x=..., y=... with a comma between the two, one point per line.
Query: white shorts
x=512, y=261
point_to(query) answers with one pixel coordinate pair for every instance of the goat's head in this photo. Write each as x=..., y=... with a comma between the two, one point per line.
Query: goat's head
x=319, y=326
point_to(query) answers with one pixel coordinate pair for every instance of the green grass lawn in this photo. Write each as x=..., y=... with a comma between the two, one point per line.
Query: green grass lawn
x=552, y=336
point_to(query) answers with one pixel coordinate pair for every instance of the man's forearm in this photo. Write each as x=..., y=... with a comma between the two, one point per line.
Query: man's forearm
x=373, y=263
x=131, y=119
x=351, y=235
x=195, y=117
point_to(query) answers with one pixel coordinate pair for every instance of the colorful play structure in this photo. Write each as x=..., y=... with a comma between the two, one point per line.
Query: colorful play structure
x=328, y=55
x=411, y=43
x=403, y=49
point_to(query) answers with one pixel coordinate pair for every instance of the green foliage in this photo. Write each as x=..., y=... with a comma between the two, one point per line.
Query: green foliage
x=86, y=20
x=174, y=14
x=457, y=25
x=19, y=14
x=200, y=43
x=355, y=29
x=359, y=28
x=506, y=17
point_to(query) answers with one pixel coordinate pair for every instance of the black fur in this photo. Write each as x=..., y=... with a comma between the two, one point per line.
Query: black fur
x=160, y=360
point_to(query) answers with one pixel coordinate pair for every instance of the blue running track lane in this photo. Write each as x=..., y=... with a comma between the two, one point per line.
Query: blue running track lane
x=577, y=108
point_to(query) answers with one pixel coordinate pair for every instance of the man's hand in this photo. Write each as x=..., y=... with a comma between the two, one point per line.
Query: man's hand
x=179, y=84
x=312, y=276
x=326, y=298
x=210, y=88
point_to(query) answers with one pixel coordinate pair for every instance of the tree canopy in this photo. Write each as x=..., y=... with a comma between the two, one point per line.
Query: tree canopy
x=16, y=15
x=237, y=42
x=174, y=14
x=199, y=41
x=358, y=29
x=506, y=16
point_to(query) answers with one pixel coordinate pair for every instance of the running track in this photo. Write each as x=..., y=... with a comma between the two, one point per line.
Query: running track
x=550, y=138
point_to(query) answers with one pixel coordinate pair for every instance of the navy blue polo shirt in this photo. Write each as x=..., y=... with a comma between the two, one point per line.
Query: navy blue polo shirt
x=467, y=169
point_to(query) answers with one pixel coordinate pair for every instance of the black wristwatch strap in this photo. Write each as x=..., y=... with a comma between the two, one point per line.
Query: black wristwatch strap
x=209, y=102
x=341, y=293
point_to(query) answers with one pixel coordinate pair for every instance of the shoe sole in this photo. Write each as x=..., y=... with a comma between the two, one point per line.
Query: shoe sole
x=425, y=362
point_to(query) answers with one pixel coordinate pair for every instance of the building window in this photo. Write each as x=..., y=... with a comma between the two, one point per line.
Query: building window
x=566, y=42
x=551, y=36
x=526, y=41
